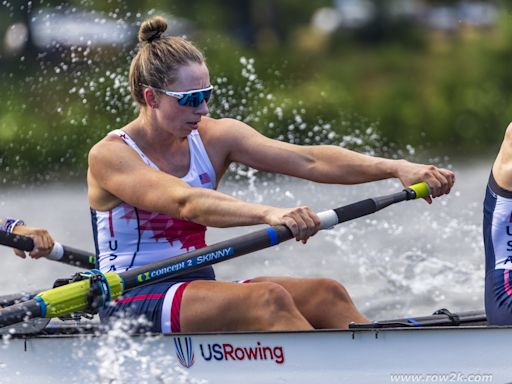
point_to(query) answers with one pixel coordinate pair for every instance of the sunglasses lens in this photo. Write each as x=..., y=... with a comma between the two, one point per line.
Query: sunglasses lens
x=207, y=95
x=195, y=99
x=185, y=100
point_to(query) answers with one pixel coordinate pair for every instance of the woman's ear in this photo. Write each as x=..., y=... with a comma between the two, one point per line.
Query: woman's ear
x=150, y=98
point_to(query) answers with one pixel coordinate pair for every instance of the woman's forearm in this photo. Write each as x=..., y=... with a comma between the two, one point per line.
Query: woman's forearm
x=336, y=165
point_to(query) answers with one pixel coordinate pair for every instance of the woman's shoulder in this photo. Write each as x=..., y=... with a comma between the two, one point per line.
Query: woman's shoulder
x=214, y=123
x=110, y=144
x=219, y=128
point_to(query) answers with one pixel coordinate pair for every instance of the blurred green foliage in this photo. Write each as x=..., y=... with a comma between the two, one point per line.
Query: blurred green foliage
x=446, y=92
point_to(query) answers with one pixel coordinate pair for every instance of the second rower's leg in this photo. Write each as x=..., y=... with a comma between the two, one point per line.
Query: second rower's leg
x=325, y=303
x=225, y=306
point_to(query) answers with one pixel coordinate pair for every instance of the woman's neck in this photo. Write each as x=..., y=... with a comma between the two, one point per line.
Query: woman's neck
x=146, y=133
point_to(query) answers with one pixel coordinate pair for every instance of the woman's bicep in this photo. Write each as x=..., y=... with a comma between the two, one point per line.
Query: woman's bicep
x=125, y=176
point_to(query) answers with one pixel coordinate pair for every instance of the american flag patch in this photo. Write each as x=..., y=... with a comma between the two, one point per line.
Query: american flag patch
x=204, y=178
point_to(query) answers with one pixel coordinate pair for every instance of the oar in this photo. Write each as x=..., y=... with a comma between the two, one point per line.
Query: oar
x=15, y=298
x=73, y=297
x=441, y=318
x=60, y=253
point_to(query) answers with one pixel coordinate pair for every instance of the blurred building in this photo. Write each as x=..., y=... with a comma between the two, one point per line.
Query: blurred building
x=354, y=14
x=46, y=28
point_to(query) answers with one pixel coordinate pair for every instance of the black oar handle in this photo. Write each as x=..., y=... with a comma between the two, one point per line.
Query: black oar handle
x=60, y=253
x=355, y=210
x=329, y=219
x=368, y=206
x=73, y=256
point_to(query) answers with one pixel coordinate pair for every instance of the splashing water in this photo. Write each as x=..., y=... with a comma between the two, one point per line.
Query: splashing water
x=120, y=357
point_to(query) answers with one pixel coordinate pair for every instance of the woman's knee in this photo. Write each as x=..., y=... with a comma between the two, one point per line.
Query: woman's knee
x=275, y=298
x=332, y=291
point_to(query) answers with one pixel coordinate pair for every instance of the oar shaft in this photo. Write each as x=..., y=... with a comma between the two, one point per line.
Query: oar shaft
x=60, y=253
x=19, y=312
x=16, y=298
x=436, y=320
x=204, y=257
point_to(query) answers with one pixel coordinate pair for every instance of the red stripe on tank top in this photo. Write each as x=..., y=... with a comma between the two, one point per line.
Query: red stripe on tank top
x=506, y=279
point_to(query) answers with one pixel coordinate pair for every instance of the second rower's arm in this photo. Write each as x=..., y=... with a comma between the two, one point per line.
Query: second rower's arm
x=502, y=168
x=325, y=163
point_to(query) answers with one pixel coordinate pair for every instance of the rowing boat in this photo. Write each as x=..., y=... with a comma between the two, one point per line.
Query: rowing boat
x=370, y=353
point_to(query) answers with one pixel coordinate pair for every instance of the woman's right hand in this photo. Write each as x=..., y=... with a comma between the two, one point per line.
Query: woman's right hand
x=43, y=242
x=302, y=221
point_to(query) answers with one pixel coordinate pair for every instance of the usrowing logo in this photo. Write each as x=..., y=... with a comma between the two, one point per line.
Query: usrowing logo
x=217, y=352
x=184, y=351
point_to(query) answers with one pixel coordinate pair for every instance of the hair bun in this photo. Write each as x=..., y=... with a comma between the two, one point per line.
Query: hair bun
x=152, y=29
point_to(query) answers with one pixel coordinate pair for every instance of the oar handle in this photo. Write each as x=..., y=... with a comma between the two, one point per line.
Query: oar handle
x=72, y=256
x=329, y=219
x=60, y=253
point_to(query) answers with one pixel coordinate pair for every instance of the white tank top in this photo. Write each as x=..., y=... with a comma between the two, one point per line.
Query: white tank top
x=127, y=237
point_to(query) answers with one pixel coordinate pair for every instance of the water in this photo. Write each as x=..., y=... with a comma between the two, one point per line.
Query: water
x=410, y=258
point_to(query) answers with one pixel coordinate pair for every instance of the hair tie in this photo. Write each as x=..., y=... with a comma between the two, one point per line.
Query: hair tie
x=155, y=36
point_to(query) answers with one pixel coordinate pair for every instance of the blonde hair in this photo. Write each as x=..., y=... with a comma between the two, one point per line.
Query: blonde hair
x=159, y=57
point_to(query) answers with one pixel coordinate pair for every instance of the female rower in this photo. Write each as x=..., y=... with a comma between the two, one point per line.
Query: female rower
x=151, y=188
x=497, y=229
x=43, y=242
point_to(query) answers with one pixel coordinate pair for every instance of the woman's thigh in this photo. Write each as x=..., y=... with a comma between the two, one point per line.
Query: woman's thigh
x=227, y=306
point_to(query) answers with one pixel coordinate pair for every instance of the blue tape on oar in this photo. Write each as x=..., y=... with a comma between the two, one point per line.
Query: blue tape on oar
x=272, y=236
x=414, y=322
x=42, y=305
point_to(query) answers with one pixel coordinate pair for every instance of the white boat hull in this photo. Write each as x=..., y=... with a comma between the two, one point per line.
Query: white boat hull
x=428, y=355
